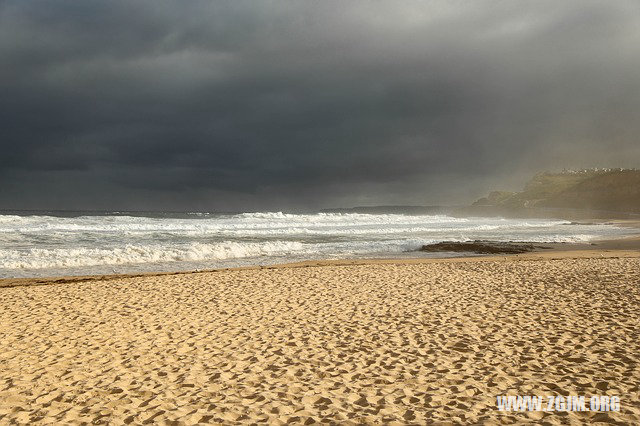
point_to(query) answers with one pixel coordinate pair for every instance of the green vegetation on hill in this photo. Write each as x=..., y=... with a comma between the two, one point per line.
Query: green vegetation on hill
x=594, y=189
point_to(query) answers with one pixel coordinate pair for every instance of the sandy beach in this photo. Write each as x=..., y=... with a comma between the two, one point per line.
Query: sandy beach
x=351, y=342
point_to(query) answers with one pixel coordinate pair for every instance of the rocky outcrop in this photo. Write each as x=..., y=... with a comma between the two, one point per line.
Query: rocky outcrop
x=481, y=247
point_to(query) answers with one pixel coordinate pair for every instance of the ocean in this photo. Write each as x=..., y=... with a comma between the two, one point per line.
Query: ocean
x=83, y=243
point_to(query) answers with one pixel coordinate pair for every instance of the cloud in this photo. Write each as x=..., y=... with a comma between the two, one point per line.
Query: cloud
x=239, y=106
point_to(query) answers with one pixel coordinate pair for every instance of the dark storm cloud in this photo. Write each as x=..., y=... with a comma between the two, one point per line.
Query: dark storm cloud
x=250, y=105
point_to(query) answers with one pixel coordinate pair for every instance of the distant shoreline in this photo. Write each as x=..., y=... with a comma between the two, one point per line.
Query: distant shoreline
x=545, y=213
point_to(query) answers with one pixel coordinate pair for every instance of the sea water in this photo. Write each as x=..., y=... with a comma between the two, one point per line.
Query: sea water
x=47, y=244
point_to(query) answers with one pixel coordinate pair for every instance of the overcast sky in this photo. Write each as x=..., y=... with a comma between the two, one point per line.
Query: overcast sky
x=286, y=105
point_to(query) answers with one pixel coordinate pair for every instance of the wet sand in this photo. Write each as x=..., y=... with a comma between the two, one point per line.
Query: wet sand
x=346, y=341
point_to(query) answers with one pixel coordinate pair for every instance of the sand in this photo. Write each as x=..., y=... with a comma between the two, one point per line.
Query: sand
x=353, y=342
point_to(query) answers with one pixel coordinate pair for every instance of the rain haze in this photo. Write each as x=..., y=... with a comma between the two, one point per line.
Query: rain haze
x=240, y=106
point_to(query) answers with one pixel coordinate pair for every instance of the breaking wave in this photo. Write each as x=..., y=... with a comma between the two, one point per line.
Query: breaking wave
x=132, y=253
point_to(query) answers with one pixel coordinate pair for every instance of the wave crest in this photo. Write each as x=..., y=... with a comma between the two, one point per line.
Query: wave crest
x=37, y=258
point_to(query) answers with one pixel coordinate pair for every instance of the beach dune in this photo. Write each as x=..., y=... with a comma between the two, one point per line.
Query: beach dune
x=404, y=342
